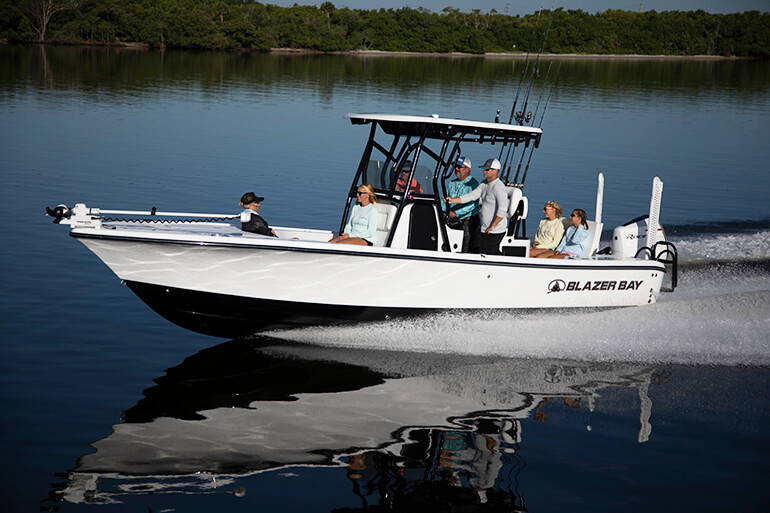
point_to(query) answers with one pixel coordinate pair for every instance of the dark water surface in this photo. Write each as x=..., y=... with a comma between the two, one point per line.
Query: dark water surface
x=104, y=405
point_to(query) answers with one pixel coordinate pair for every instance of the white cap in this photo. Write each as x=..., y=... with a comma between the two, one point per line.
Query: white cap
x=463, y=162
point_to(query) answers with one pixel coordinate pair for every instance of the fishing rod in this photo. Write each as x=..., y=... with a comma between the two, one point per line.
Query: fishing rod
x=520, y=116
x=548, y=99
x=506, y=163
x=511, y=148
x=545, y=107
x=542, y=91
x=526, y=169
x=515, y=182
x=526, y=64
x=540, y=125
x=534, y=116
x=520, y=119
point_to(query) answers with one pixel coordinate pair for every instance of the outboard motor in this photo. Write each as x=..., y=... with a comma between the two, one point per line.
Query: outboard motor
x=643, y=237
x=629, y=238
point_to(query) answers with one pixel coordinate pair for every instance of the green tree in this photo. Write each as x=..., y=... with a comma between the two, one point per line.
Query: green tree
x=248, y=24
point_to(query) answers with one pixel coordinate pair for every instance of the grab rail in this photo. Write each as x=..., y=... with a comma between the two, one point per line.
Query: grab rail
x=154, y=212
x=668, y=255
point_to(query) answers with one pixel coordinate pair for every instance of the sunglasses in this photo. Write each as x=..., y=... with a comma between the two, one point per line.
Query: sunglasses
x=358, y=193
x=574, y=215
x=548, y=208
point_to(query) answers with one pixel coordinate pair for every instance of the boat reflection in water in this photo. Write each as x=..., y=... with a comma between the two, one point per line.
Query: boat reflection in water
x=408, y=429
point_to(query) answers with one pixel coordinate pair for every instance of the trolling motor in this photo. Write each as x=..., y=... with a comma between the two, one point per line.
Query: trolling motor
x=79, y=216
x=58, y=213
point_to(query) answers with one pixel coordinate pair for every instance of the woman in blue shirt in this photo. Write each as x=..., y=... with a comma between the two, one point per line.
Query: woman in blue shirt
x=362, y=224
x=573, y=243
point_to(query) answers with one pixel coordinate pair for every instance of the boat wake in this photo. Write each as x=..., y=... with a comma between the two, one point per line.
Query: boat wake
x=739, y=241
x=717, y=315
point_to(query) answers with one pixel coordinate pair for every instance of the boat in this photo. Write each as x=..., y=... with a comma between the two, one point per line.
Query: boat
x=202, y=272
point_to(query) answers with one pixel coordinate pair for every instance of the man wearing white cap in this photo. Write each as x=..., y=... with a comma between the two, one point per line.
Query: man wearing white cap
x=466, y=215
x=494, y=207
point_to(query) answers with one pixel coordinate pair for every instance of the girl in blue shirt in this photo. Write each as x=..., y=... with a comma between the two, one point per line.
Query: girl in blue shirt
x=572, y=244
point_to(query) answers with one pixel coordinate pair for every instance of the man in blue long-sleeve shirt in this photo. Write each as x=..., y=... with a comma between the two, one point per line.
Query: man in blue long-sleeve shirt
x=465, y=215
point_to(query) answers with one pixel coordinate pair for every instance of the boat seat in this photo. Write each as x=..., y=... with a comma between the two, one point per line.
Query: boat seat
x=518, y=207
x=592, y=242
x=514, y=197
x=512, y=244
x=386, y=213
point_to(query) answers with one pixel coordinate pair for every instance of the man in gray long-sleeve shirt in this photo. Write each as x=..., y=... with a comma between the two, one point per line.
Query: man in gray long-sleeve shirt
x=494, y=207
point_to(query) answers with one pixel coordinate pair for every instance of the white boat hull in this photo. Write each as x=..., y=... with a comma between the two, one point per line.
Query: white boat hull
x=234, y=286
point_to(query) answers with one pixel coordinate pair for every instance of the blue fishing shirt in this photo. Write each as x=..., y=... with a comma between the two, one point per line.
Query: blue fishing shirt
x=457, y=188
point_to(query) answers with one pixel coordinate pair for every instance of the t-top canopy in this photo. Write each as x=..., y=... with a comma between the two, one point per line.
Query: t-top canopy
x=435, y=127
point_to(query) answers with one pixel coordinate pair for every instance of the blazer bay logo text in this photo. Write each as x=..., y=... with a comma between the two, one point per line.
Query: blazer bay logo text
x=561, y=285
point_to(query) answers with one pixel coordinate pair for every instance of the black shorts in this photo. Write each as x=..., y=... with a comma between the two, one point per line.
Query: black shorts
x=368, y=243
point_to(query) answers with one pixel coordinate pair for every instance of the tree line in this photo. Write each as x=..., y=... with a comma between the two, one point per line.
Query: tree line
x=244, y=24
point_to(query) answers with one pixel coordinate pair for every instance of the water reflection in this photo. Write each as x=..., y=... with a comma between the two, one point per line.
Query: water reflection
x=119, y=75
x=410, y=431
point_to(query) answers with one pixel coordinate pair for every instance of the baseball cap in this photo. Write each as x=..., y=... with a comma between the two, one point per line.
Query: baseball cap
x=491, y=164
x=463, y=162
x=249, y=198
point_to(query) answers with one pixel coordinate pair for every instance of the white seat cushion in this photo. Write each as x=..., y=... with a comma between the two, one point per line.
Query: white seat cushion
x=592, y=242
x=386, y=214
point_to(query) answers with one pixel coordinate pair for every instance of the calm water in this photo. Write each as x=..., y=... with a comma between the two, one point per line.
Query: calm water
x=106, y=405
